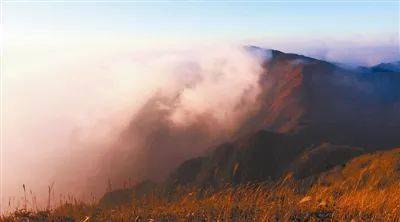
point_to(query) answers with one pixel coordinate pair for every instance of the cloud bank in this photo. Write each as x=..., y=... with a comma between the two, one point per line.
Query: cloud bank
x=79, y=115
x=358, y=50
x=90, y=117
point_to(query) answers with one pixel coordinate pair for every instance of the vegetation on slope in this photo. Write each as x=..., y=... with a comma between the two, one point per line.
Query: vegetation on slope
x=366, y=188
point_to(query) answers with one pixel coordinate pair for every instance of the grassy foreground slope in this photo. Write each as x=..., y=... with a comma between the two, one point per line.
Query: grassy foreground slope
x=366, y=188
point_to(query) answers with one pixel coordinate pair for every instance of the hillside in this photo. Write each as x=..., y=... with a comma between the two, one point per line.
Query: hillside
x=324, y=101
x=387, y=67
x=302, y=103
x=366, y=188
x=264, y=156
x=318, y=142
x=363, y=188
x=313, y=116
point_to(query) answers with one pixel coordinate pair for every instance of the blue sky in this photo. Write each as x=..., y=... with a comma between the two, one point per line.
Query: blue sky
x=226, y=20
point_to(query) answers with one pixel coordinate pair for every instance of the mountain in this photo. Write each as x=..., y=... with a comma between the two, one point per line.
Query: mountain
x=322, y=158
x=366, y=187
x=387, y=67
x=377, y=170
x=257, y=157
x=322, y=100
x=126, y=195
x=263, y=156
x=312, y=117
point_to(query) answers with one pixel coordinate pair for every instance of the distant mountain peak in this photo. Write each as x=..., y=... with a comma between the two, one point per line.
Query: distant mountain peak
x=387, y=67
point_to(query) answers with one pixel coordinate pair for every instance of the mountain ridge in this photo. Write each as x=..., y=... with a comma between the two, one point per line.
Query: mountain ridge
x=308, y=107
x=312, y=116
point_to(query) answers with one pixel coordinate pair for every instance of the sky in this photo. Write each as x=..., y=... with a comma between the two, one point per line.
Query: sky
x=173, y=22
x=341, y=31
x=65, y=69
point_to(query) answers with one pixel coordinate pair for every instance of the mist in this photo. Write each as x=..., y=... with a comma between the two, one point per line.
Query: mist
x=202, y=98
x=356, y=50
x=90, y=117
x=81, y=115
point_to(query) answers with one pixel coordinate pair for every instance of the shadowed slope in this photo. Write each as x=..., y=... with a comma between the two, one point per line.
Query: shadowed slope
x=303, y=103
x=321, y=100
x=323, y=112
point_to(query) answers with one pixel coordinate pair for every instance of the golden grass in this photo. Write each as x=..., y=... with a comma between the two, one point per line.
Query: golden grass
x=243, y=203
x=366, y=189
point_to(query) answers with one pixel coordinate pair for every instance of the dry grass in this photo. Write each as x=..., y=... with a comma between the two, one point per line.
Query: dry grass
x=244, y=203
x=366, y=189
